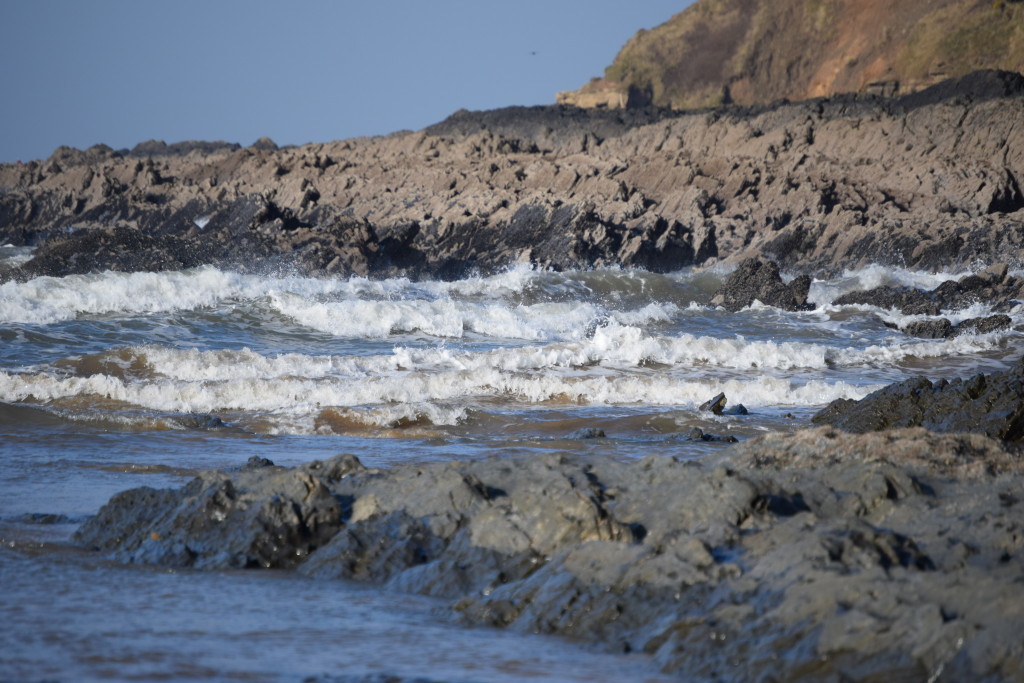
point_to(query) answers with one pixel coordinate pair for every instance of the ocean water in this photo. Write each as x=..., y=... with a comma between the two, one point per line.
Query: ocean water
x=112, y=381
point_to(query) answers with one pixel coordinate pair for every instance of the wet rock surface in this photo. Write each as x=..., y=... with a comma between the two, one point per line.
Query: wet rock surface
x=990, y=404
x=759, y=280
x=991, y=286
x=815, y=554
x=942, y=328
x=558, y=187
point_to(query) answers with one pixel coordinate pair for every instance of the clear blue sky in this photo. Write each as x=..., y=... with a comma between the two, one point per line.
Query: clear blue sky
x=81, y=72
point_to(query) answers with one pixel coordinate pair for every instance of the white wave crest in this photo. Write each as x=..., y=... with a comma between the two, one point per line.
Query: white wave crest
x=307, y=395
x=869, y=277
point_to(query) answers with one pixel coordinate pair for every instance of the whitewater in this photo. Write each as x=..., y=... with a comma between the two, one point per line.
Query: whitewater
x=115, y=380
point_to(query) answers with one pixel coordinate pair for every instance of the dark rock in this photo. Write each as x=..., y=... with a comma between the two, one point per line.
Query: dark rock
x=986, y=404
x=929, y=329
x=992, y=287
x=586, y=433
x=943, y=329
x=256, y=462
x=159, y=148
x=759, y=280
x=904, y=299
x=992, y=323
x=44, y=518
x=738, y=409
x=698, y=434
x=200, y=421
x=715, y=405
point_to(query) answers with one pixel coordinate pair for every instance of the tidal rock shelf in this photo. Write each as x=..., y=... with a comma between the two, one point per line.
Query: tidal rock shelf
x=929, y=181
x=815, y=554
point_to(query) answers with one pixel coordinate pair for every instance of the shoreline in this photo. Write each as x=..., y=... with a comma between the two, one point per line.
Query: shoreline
x=890, y=552
x=848, y=553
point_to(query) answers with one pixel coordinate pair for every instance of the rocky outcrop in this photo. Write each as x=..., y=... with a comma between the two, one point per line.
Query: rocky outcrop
x=929, y=181
x=758, y=51
x=991, y=286
x=987, y=404
x=260, y=517
x=757, y=280
x=847, y=554
x=942, y=328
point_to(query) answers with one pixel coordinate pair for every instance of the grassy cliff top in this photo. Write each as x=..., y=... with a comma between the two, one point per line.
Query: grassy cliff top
x=755, y=51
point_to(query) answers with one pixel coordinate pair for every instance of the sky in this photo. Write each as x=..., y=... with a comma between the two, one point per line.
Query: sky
x=119, y=72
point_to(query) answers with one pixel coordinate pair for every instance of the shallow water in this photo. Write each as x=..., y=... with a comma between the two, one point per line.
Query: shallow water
x=113, y=381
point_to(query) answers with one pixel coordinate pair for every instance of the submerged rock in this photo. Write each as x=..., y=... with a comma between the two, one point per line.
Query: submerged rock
x=990, y=404
x=846, y=555
x=587, y=433
x=698, y=434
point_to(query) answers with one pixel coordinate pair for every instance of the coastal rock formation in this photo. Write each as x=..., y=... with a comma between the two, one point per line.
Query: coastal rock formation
x=942, y=328
x=991, y=286
x=757, y=280
x=929, y=181
x=758, y=51
x=261, y=517
x=987, y=404
x=848, y=553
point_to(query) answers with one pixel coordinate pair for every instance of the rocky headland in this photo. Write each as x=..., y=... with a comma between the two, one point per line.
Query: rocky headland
x=930, y=180
x=758, y=51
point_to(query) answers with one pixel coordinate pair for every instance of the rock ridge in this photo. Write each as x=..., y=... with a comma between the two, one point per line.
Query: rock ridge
x=929, y=181
x=848, y=553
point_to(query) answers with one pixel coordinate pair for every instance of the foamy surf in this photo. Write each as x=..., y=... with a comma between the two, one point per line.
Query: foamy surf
x=297, y=355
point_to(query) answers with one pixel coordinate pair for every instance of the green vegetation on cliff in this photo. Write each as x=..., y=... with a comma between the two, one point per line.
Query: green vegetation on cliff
x=755, y=51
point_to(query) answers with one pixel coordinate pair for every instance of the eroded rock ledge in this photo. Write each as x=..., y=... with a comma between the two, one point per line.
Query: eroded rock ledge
x=811, y=554
x=929, y=181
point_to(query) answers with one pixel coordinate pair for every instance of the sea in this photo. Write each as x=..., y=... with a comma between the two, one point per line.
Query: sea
x=114, y=380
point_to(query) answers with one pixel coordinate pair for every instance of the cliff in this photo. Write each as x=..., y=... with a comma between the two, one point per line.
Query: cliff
x=756, y=51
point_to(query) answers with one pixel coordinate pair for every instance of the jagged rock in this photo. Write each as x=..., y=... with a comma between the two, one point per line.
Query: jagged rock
x=992, y=323
x=262, y=517
x=560, y=187
x=757, y=280
x=847, y=553
x=986, y=404
x=907, y=300
x=929, y=329
x=715, y=405
x=991, y=286
x=942, y=328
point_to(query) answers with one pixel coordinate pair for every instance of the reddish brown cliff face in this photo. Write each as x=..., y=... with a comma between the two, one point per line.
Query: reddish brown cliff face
x=759, y=51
